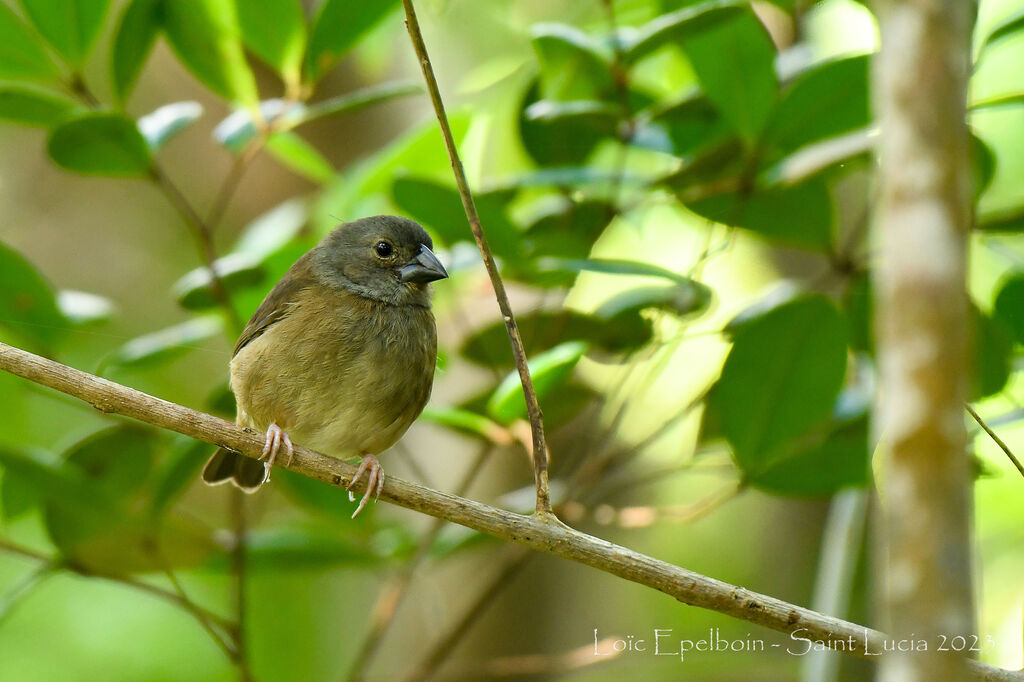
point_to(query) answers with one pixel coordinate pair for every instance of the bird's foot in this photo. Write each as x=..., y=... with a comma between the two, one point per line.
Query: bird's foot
x=374, y=482
x=275, y=437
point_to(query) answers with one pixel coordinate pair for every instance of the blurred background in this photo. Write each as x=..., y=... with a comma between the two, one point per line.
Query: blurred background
x=678, y=194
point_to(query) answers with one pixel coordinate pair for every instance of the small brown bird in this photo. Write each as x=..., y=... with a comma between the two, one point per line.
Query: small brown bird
x=340, y=355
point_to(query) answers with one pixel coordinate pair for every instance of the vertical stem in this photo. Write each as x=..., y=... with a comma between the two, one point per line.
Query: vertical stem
x=924, y=215
x=540, y=448
x=238, y=567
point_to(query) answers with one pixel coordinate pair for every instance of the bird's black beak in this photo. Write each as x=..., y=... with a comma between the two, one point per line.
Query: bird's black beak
x=423, y=268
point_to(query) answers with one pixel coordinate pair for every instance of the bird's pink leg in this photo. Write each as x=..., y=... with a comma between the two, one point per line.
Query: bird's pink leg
x=374, y=481
x=275, y=437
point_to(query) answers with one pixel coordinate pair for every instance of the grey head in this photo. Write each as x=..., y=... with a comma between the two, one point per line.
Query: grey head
x=384, y=258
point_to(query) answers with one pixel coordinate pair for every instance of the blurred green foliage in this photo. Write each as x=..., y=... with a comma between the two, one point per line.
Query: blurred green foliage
x=734, y=129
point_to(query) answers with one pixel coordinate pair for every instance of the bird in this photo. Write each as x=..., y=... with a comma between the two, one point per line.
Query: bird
x=340, y=355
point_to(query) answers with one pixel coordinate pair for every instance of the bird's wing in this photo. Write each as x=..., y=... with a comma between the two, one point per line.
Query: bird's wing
x=278, y=303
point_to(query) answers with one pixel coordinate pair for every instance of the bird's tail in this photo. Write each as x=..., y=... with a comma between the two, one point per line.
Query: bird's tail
x=244, y=472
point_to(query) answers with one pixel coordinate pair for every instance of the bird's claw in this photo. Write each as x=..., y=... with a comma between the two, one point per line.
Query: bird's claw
x=275, y=437
x=374, y=482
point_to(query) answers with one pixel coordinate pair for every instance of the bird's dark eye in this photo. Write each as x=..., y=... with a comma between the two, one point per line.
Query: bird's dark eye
x=383, y=249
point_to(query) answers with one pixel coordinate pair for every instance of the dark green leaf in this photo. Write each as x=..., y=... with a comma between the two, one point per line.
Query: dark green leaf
x=275, y=31
x=1009, y=305
x=859, y=308
x=337, y=27
x=166, y=344
x=133, y=41
x=678, y=26
x=734, y=62
x=236, y=271
x=564, y=136
x=66, y=487
x=167, y=121
x=691, y=123
x=1002, y=221
x=300, y=156
x=798, y=215
x=100, y=144
x=715, y=168
x=993, y=349
x=780, y=379
x=70, y=26
x=22, y=55
x=573, y=66
x=549, y=370
x=840, y=461
x=180, y=470
x=820, y=157
x=439, y=208
x=313, y=495
x=983, y=165
x=826, y=101
x=27, y=303
x=568, y=231
x=117, y=459
x=33, y=106
x=542, y=330
x=205, y=36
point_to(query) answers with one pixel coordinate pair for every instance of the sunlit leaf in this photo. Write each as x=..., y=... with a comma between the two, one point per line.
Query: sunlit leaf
x=81, y=307
x=28, y=305
x=33, y=106
x=780, y=379
x=465, y=421
x=819, y=157
x=358, y=99
x=337, y=27
x=167, y=121
x=734, y=62
x=205, y=36
x=300, y=156
x=100, y=144
x=136, y=32
x=70, y=26
x=236, y=271
x=166, y=344
x=549, y=370
x=22, y=55
x=273, y=230
x=1010, y=25
x=275, y=31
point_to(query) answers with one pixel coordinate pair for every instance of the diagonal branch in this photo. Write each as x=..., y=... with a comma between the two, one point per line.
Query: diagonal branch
x=540, y=448
x=534, y=532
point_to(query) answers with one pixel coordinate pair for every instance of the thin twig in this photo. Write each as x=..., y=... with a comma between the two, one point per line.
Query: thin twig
x=999, y=441
x=393, y=593
x=238, y=566
x=540, y=448
x=446, y=645
x=533, y=532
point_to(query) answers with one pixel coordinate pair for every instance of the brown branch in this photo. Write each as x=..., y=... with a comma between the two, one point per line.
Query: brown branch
x=921, y=316
x=540, y=448
x=998, y=441
x=533, y=532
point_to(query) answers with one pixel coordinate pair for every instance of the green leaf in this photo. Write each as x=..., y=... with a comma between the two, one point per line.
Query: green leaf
x=22, y=55
x=1013, y=23
x=272, y=231
x=314, y=547
x=826, y=101
x=859, y=308
x=541, y=330
x=27, y=302
x=70, y=26
x=840, y=461
x=166, y=344
x=82, y=308
x=180, y=470
x=573, y=65
x=983, y=165
x=690, y=123
x=678, y=26
x=32, y=106
x=300, y=156
x=780, y=379
x=167, y=121
x=734, y=62
x=1011, y=220
x=798, y=215
x=117, y=459
x=564, y=134
x=358, y=100
x=993, y=350
x=236, y=271
x=66, y=487
x=275, y=31
x=133, y=41
x=1009, y=305
x=821, y=157
x=438, y=207
x=205, y=36
x=100, y=144
x=337, y=27
x=549, y=370
x=16, y=497
x=465, y=421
